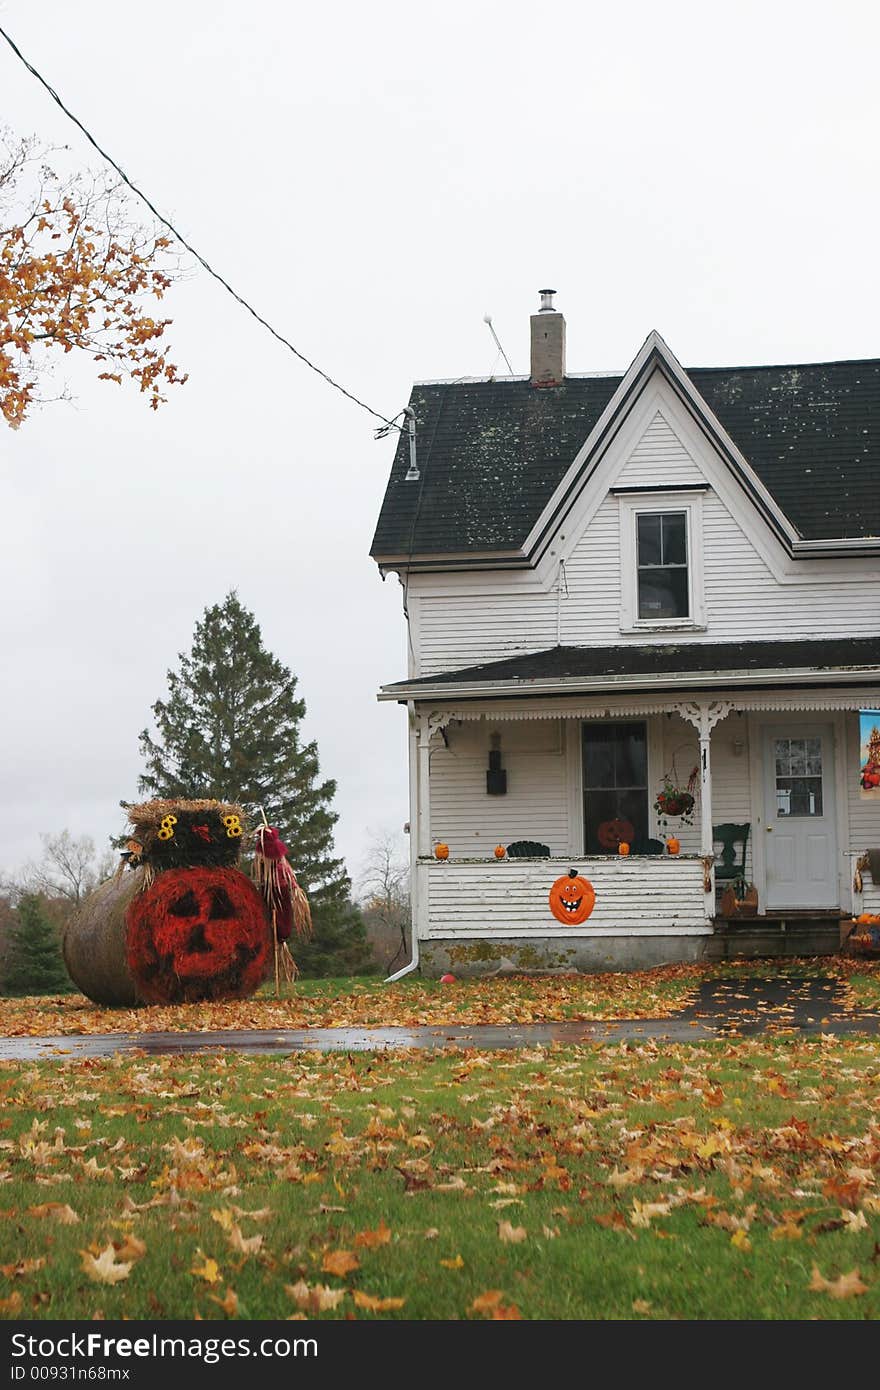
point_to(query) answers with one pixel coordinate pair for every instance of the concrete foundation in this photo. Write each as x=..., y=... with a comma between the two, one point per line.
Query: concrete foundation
x=542, y=955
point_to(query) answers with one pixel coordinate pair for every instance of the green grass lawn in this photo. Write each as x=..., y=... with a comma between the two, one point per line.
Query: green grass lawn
x=736, y=1179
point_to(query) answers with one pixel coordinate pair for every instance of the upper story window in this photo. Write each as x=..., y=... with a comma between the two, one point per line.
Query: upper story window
x=662, y=562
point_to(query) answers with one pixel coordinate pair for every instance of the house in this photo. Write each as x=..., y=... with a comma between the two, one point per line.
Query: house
x=614, y=582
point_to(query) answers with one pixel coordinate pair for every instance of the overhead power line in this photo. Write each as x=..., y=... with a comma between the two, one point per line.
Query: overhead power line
x=192, y=250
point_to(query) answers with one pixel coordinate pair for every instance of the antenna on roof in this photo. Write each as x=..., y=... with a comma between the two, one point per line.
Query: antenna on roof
x=487, y=319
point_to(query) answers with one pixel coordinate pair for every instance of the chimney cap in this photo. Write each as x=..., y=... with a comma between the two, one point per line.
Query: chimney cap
x=547, y=301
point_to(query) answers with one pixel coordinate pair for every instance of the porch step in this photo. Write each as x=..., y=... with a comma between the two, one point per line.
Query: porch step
x=791, y=934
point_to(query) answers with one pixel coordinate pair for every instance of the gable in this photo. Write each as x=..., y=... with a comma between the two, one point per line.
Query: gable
x=659, y=457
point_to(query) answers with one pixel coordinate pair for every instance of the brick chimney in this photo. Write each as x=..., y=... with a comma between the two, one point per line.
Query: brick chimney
x=548, y=343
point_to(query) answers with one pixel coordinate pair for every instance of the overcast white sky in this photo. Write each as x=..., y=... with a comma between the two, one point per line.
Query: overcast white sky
x=375, y=178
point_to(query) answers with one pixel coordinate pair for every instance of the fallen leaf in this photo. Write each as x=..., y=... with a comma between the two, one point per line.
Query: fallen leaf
x=370, y=1240
x=339, y=1262
x=209, y=1270
x=485, y=1302
x=641, y=1305
x=457, y=1263
x=12, y=1304
x=105, y=1269
x=511, y=1235
x=376, y=1305
x=245, y=1245
x=131, y=1248
x=229, y=1303
x=508, y=1313
x=55, y=1211
x=740, y=1241
x=845, y=1286
x=315, y=1299
x=23, y=1267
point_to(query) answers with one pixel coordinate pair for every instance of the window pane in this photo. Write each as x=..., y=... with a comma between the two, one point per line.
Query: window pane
x=663, y=593
x=799, y=796
x=674, y=538
x=599, y=758
x=649, y=539
x=631, y=756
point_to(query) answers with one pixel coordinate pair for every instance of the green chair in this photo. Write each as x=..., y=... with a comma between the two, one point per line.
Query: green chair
x=730, y=866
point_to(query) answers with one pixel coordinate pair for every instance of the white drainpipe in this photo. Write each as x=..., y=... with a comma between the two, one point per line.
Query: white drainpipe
x=413, y=965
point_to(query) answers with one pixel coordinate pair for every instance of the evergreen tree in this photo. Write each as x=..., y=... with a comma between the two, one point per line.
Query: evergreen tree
x=229, y=729
x=34, y=964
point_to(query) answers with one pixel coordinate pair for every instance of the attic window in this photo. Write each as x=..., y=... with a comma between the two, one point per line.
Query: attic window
x=662, y=561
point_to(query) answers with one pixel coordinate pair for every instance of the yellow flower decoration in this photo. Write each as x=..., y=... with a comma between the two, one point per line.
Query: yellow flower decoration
x=233, y=826
x=166, y=832
x=167, y=822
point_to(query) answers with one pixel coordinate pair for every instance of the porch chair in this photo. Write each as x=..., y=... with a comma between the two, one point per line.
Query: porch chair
x=528, y=849
x=728, y=868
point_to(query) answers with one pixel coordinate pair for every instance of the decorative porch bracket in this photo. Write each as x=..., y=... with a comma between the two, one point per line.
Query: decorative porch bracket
x=704, y=715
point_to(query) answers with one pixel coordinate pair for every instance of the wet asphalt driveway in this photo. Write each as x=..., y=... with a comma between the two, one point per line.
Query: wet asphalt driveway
x=731, y=1007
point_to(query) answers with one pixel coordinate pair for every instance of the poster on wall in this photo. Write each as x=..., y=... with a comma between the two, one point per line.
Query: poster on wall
x=869, y=755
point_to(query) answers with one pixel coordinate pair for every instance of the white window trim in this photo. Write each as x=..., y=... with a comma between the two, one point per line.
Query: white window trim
x=691, y=503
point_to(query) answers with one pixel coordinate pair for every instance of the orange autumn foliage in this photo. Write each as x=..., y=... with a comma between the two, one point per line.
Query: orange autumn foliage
x=75, y=274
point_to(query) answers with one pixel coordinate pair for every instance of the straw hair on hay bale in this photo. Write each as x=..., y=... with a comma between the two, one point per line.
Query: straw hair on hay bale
x=94, y=942
x=150, y=814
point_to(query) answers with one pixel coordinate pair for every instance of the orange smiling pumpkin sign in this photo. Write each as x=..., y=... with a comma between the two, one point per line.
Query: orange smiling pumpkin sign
x=572, y=898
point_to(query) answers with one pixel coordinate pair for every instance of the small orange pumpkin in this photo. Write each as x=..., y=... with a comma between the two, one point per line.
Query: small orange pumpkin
x=500, y=851
x=623, y=847
x=673, y=845
x=572, y=898
x=441, y=851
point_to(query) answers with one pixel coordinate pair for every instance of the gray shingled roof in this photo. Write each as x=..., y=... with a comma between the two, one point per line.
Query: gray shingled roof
x=491, y=453
x=849, y=657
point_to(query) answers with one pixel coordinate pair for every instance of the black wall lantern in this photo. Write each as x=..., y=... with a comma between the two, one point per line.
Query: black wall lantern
x=496, y=777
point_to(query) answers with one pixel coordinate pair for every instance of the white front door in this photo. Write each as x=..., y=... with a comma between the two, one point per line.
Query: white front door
x=800, y=827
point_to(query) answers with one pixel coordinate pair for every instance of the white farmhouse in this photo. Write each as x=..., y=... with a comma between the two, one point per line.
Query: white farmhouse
x=623, y=592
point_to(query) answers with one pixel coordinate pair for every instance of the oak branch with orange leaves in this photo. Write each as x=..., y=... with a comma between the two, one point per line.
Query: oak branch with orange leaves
x=76, y=273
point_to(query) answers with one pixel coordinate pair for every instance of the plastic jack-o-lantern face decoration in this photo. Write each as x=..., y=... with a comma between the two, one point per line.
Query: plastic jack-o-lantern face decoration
x=195, y=934
x=572, y=898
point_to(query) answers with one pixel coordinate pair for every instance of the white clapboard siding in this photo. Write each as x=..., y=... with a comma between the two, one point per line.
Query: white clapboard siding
x=658, y=451
x=870, y=893
x=535, y=806
x=475, y=618
x=645, y=895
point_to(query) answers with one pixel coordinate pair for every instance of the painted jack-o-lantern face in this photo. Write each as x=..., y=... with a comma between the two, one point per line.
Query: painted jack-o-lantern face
x=198, y=933
x=572, y=898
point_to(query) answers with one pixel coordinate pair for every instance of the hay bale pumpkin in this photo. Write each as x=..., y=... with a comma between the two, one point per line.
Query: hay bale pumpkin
x=186, y=925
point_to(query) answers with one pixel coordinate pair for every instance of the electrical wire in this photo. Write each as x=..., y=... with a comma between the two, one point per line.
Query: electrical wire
x=386, y=423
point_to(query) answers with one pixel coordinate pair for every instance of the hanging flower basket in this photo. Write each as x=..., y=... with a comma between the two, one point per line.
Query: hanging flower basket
x=674, y=801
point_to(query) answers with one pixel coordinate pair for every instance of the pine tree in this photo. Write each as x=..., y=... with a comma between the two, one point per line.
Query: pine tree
x=229, y=729
x=34, y=964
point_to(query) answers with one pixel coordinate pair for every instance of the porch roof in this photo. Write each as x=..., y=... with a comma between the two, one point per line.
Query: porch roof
x=709, y=665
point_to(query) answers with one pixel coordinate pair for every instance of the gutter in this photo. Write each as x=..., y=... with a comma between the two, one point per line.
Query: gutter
x=581, y=685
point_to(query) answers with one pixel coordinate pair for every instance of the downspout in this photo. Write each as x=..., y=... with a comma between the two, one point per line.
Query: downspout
x=414, y=858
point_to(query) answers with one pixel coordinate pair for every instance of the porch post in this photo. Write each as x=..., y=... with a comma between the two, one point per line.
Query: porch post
x=704, y=715
x=707, y=844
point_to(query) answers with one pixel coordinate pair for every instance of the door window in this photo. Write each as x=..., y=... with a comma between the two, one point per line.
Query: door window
x=798, y=776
